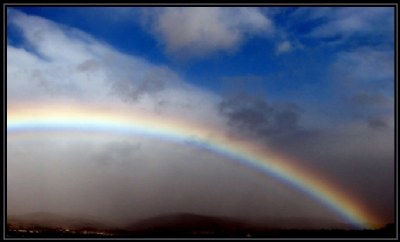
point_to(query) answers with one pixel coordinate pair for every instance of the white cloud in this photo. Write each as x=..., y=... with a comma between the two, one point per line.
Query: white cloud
x=55, y=42
x=61, y=62
x=284, y=47
x=199, y=31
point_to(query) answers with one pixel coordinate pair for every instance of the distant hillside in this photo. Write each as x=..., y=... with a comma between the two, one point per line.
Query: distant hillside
x=181, y=225
x=177, y=221
x=50, y=220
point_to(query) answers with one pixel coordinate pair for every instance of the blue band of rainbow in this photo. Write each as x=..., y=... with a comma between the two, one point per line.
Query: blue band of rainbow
x=25, y=120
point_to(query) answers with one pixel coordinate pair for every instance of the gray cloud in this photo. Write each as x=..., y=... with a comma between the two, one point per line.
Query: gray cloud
x=377, y=123
x=252, y=114
x=88, y=65
x=151, y=84
x=369, y=99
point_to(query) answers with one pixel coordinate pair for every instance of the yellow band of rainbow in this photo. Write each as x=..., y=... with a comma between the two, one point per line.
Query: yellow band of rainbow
x=24, y=119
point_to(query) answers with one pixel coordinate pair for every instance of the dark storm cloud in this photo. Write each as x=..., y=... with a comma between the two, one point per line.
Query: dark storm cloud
x=254, y=115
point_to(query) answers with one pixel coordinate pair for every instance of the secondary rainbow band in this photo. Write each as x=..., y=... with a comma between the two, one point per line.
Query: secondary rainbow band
x=25, y=120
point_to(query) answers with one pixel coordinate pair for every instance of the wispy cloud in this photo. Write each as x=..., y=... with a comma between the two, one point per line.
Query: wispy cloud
x=284, y=47
x=339, y=24
x=366, y=65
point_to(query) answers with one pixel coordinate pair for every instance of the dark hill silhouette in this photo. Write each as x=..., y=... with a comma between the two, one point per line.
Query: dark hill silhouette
x=185, y=222
x=194, y=224
x=300, y=223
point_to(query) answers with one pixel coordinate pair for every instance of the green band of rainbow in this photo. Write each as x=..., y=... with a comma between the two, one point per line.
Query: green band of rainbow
x=25, y=120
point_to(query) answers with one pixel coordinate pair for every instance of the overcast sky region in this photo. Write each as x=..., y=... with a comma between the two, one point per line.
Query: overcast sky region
x=312, y=84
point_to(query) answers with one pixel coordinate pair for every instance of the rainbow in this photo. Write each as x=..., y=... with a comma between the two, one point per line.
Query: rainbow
x=35, y=118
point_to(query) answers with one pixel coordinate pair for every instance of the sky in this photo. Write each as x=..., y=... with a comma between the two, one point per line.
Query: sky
x=311, y=87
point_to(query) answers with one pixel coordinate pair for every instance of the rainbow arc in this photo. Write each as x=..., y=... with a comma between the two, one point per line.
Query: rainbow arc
x=33, y=119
